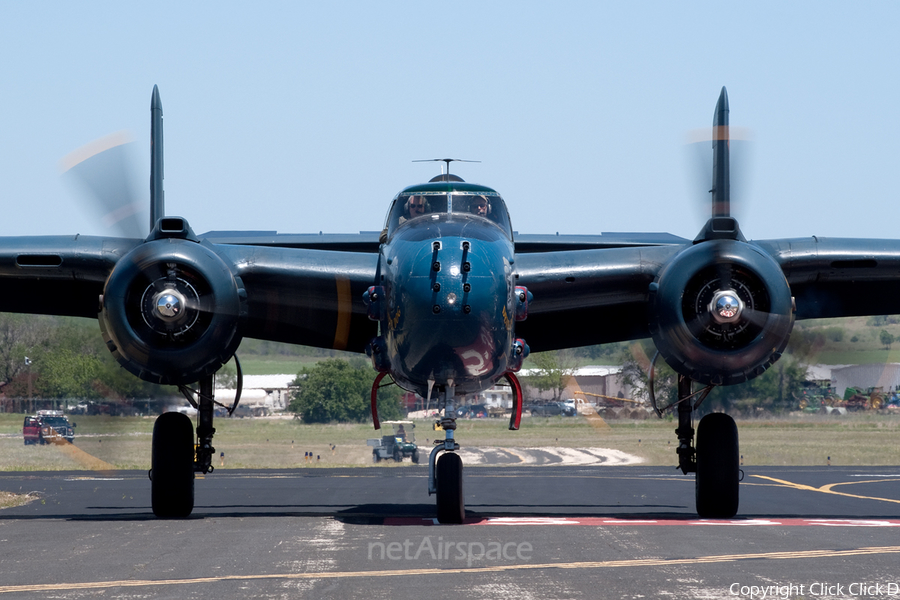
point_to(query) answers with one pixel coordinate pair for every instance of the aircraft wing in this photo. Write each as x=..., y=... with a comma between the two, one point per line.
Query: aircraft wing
x=840, y=277
x=300, y=296
x=584, y=297
x=307, y=297
x=368, y=241
x=581, y=297
x=57, y=275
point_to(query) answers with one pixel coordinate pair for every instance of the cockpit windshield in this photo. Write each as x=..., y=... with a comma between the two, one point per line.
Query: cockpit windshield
x=411, y=205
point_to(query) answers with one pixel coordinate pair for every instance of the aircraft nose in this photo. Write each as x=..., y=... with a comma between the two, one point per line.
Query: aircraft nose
x=451, y=286
x=451, y=314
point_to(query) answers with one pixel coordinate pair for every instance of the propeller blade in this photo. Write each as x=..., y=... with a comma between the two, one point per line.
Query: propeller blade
x=730, y=164
x=721, y=183
x=723, y=266
x=763, y=319
x=102, y=170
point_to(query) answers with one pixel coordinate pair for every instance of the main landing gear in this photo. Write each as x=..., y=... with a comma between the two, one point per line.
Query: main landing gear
x=716, y=458
x=174, y=460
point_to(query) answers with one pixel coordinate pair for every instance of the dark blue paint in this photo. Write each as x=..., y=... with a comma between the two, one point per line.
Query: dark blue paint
x=427, y=331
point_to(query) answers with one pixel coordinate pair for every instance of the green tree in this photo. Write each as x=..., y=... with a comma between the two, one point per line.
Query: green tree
x=68, y=360
x=886, y=338
x=335, y=390
x=636, y=374
x=806, y=343
x=67, y=374
x=775, y=390
x=20, y=335
x=551, y=371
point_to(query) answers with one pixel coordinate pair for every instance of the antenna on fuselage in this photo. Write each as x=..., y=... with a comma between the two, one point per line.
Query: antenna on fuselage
x=446, y=160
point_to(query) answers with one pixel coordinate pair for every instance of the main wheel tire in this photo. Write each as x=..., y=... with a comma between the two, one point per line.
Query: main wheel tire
x=718, y=467
x=415, y=456
x=172, y=466
x=450, y=503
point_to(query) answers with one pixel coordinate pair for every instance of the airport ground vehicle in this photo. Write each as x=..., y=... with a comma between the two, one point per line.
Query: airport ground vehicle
x=46, y=427
x=397, y=446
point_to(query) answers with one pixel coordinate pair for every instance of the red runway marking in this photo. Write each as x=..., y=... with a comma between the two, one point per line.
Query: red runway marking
x=602, y=521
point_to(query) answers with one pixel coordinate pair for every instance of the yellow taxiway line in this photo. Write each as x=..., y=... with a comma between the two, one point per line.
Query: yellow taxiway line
x=86, y=460
x=827, y=489
x=607, y=564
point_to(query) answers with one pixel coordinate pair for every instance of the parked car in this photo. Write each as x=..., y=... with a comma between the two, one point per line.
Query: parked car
x=552, y=409
x=472, y=411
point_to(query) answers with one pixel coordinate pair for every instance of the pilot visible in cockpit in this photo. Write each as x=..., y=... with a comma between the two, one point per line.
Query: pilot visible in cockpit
x=416, y=206
x=480, y=206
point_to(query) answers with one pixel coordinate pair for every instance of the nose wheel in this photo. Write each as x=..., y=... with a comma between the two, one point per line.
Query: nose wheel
x=445, y=471
x=450, y=502
x=445, y=475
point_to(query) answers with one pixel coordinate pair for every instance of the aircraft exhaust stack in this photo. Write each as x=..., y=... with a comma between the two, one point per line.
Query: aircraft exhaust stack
x=157, y=194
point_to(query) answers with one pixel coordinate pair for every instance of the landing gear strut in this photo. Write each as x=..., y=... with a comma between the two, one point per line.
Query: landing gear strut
x=445, y=472
x=716, y=458
x=174, y=459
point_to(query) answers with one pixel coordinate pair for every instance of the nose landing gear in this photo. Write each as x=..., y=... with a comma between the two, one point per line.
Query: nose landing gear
x=445, y=478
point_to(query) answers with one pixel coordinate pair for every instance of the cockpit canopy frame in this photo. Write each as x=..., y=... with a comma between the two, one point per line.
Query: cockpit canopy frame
x=448, y=198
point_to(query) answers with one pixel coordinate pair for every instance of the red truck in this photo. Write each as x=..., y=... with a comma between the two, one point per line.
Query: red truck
x=46, y=427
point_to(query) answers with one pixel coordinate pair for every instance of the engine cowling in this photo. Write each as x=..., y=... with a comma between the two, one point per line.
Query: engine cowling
x=171, y=311
x=721, y=312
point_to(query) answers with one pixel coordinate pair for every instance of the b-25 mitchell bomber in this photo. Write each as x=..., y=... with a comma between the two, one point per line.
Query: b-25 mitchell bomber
x=447, y=301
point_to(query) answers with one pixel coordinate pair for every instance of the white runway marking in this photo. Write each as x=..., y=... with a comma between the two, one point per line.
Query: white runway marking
x=547, y=456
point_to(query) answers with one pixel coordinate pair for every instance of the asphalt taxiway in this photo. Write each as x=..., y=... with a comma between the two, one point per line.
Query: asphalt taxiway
x=530, y=532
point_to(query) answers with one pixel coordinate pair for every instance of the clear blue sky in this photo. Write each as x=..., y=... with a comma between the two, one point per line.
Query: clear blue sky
x=304, y=116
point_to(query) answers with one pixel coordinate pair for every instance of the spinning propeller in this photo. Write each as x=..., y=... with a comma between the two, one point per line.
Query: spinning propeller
x=721, y=311
x=172, y=307
x=102, y=169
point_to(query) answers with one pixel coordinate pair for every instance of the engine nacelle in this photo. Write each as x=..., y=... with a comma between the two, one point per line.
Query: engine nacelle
x=171, y=311
x=721, y=312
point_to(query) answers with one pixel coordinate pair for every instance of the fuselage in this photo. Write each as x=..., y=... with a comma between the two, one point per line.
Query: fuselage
x=447, y=288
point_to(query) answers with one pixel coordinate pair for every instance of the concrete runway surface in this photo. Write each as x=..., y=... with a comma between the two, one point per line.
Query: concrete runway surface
x=531, y=532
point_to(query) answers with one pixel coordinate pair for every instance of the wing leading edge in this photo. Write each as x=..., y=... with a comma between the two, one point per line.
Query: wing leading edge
x=581, y=297
x=308, y=297
x=599, y=296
